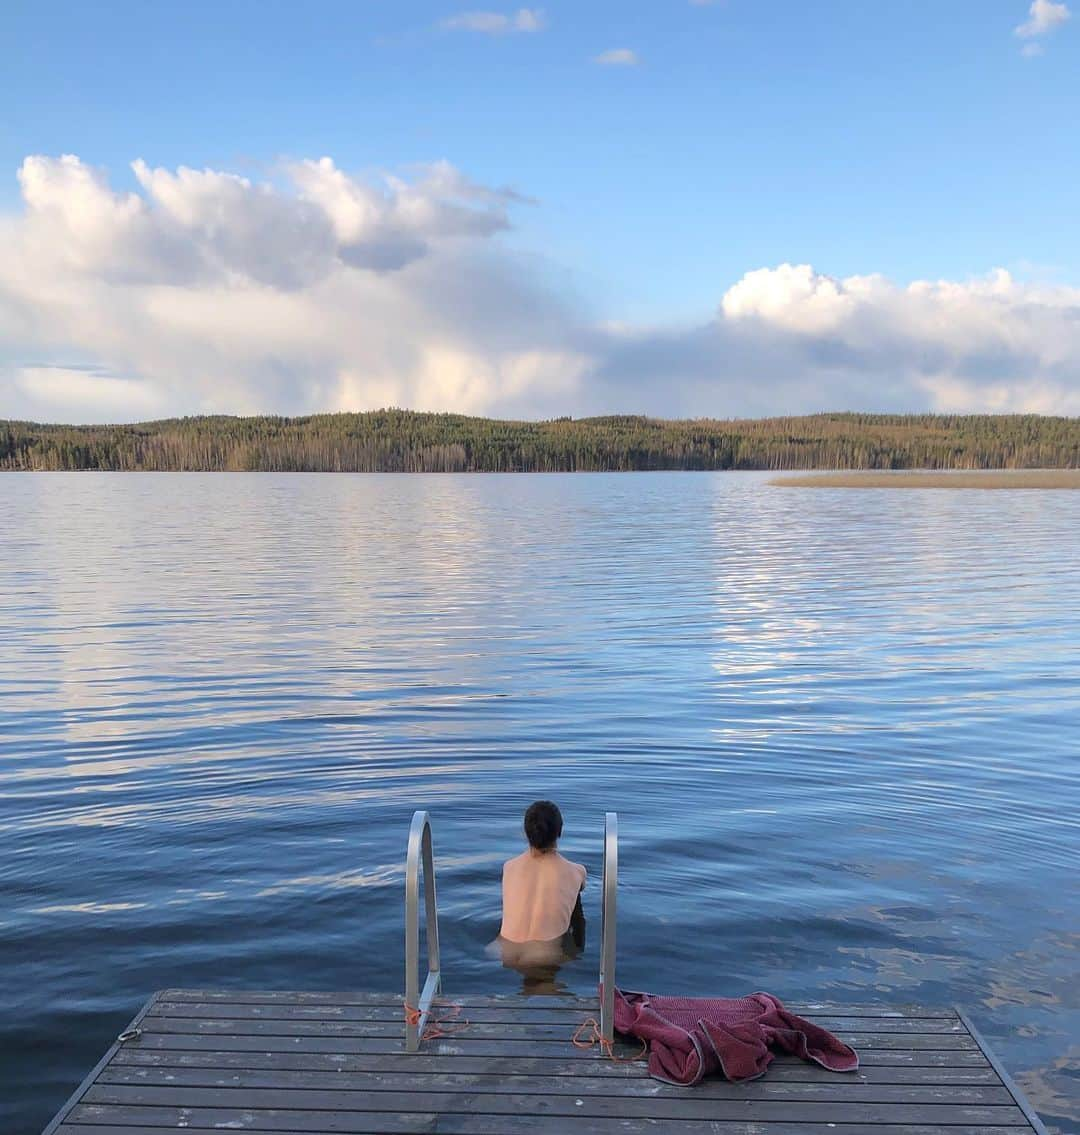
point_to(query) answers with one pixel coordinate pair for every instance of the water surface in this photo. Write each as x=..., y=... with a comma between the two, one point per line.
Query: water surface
x=839, y=726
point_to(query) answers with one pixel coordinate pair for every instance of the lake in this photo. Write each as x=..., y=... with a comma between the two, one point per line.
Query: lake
x=840, y=728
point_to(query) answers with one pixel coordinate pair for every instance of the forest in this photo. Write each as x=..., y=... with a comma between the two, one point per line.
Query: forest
x=395, y=440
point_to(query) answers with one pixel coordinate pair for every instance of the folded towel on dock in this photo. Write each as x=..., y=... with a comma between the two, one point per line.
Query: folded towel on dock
x=691, y=1037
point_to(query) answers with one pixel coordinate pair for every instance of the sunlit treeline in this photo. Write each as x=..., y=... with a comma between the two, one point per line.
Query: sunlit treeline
x=403, y=441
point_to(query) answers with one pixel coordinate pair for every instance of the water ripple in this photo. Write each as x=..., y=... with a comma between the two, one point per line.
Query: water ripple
x=840, y=727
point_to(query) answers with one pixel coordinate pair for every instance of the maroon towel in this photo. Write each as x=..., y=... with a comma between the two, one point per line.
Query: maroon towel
x=690, y=1037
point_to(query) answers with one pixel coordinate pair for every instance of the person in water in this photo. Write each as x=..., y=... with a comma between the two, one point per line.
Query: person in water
x=541, y=891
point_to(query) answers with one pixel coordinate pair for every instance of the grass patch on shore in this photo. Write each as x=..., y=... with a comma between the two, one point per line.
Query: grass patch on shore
x=937, y=479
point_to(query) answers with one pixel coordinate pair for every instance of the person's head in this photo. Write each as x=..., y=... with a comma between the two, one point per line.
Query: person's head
x=543, y=825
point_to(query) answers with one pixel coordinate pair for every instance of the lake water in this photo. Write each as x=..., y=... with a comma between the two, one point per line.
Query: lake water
x=840, y=727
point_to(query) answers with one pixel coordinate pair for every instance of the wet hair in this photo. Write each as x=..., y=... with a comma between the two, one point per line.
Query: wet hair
x=543, y=825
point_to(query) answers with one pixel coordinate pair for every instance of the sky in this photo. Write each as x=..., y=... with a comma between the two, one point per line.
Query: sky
x=736, y=208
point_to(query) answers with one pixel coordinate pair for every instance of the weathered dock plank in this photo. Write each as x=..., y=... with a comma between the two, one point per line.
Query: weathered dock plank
x=465, y=1046
x=513, y=1084
x=423, y=1063
x=504, y=1014
x=520, y=1032
x=560, y=1001
x=322, y=1063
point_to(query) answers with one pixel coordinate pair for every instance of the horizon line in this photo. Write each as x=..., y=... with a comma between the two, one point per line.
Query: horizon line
x=553, y=420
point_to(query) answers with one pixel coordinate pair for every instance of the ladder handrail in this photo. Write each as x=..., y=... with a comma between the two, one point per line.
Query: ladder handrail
x=418, y=1002
x=607, y=926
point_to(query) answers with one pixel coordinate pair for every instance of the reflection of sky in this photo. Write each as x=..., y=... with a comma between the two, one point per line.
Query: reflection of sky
x=899, y=674
x=839, y=727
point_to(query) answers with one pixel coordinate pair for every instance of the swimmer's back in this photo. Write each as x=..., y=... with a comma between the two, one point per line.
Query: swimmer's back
x=539, y=891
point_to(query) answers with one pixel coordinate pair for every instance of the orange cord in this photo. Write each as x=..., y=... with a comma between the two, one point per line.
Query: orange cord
x=436, y=1027
x=606, y=1046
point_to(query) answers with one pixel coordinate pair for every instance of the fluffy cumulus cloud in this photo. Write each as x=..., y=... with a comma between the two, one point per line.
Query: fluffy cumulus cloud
x=990, y=344
x=194, y=226
x=198, y=291
x=203, y=291
x=1044, y=16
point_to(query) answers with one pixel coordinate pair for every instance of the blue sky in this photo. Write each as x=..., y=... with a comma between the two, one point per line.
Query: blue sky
x=914, y=140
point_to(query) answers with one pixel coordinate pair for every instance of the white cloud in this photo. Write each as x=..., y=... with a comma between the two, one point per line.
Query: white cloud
x=201, y=291
x=991, y=343
x=222, y=295
x=617, y=57
x=794, y=297
x=85, y=393
x=387, y=228
x=498, y=23
x=529, y=20
x=206, y=225
x=1043, y=17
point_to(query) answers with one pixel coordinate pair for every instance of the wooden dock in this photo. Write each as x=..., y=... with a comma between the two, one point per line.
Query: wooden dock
x=290, y=1063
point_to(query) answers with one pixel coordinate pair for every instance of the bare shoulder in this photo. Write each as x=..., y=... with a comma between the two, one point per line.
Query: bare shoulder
x=578, y=869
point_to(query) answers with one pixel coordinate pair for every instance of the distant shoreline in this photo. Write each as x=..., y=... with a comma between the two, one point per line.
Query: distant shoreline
x=404, y=441
x=936, y=479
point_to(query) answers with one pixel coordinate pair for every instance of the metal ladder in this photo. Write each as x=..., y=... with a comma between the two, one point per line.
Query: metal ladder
x=418, y=1001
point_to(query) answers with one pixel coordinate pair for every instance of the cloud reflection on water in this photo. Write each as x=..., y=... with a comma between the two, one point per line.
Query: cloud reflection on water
x=839, y=733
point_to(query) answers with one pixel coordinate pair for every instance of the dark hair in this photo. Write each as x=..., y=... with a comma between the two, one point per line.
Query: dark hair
x=543, y=824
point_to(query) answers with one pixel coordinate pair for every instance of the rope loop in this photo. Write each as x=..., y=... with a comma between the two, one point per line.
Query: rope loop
x=594, y=1036
x=448, y=1024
